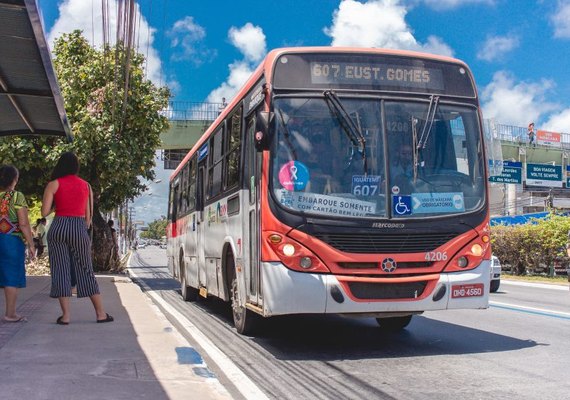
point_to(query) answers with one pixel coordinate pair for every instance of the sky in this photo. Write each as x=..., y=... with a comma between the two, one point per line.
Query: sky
x=517, y=50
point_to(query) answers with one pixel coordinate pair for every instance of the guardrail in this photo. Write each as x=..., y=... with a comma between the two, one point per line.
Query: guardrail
x=192, y=111
x=519, y=135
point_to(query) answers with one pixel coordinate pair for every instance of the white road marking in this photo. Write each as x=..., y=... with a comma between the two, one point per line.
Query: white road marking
x=536, y=285
x=245, y=385
x=532, y=309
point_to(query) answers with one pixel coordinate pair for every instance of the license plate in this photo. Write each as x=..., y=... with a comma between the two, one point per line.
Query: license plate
x=472, y=290
x=203, y=292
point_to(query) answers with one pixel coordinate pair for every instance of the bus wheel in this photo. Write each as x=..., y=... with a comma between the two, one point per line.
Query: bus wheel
x=244, y=319
x=495, y=285
x=394, y=324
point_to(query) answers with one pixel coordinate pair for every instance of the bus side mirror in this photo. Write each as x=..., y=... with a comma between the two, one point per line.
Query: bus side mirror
x=262, y=124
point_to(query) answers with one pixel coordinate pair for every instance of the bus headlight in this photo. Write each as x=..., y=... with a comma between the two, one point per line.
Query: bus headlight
x=305, y=262
x=462, y=262
x=292, y=253
x=288, y=250
x=477, y=250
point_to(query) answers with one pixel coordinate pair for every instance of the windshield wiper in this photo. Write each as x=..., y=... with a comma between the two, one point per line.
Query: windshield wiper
x=347, y=124
x=430, y=116
x=286, y=134
x=426, y=131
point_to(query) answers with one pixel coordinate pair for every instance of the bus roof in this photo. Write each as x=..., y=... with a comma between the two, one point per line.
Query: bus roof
x=267, y=65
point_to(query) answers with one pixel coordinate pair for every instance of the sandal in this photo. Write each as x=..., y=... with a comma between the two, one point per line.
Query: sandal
x=17, y=319
x=60, y=321
x=107, y=319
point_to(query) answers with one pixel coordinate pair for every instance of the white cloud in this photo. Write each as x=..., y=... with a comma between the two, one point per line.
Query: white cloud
x=561, y=20
x=449, y=4
x=250, y=40
x=495, y=47
x=559, y=122
x=515, y=103
x=153, y=203
x=87, y=16
x=378, y=23
x=186, y=37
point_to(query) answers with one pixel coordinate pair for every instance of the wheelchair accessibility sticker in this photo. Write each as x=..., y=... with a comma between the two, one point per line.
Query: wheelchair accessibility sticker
x=402, y=205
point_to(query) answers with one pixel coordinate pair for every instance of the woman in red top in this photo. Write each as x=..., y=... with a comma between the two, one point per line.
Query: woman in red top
x=68, y=239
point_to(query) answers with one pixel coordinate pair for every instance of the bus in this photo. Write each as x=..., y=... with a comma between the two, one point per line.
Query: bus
x=346, y=181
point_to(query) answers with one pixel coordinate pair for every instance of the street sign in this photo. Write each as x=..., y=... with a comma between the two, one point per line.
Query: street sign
x=512, y=173
x=544, y=175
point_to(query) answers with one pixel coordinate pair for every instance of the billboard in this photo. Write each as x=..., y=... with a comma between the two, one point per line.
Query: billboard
x=548, y=138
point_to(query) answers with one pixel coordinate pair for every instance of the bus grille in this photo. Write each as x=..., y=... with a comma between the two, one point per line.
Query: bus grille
x=386, y=291
x=386, y=243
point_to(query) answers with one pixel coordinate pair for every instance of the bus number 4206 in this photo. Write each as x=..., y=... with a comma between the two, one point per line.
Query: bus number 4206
x=436, y=256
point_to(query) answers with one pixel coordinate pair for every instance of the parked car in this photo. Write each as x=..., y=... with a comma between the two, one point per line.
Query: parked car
x=495, y=273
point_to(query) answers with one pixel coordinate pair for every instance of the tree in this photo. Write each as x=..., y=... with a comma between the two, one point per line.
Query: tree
x=116, y=119
x=156, y=229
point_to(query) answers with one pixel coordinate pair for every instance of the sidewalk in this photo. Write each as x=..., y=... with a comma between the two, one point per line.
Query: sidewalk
x=139, y=355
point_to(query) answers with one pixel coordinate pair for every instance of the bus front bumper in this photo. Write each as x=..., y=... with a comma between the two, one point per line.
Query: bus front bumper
x=291, y=292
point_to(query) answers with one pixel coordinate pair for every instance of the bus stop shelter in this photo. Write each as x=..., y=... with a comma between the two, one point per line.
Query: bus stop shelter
x=30, y=100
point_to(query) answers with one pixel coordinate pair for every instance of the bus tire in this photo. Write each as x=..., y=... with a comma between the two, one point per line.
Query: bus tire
x=495, y=285
x=244, y=319
x=188, y=292
x=394, y=324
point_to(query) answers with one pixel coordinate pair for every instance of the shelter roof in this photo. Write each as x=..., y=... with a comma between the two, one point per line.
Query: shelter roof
x=30, y=99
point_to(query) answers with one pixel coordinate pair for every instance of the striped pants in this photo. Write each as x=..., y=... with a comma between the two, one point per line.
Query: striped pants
x=70, y=249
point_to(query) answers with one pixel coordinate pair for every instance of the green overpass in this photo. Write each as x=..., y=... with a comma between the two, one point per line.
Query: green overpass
x=188, y=121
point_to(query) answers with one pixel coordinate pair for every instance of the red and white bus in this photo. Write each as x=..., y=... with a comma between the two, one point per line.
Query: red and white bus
x=338, y=181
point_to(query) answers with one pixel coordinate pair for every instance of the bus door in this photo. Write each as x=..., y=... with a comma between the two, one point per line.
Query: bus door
x=201, y=224
x=253, y=175
x=172, y=248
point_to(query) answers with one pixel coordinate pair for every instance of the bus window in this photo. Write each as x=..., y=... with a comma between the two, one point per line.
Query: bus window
x=192, y=185
x=233, y=149
x=435, y=161
x=215, y=165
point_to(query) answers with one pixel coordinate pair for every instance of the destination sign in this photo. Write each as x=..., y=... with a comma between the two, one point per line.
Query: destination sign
x=512, y=173
x=366, y=74
x=371, y=71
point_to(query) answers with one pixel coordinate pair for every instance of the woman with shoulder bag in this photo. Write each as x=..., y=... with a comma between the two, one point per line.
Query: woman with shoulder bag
x=14, y=227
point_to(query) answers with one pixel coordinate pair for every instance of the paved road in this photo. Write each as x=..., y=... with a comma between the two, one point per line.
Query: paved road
x=519, y=348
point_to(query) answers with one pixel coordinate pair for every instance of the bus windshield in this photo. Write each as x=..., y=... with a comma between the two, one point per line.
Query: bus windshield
x=362, y=157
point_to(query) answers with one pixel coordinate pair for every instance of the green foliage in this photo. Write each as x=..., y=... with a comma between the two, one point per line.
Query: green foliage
x=114, y=139
x=532, y=248
x=116, y=119
x=156, y=229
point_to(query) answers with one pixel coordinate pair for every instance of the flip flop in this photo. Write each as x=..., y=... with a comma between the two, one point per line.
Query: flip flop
x=107, y=319
x=18, y=319
x=60, y=321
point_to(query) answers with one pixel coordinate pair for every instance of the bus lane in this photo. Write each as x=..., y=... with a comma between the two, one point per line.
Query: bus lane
x=497, y=353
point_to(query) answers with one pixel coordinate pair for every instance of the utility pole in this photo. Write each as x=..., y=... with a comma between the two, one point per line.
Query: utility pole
x=131, y=211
